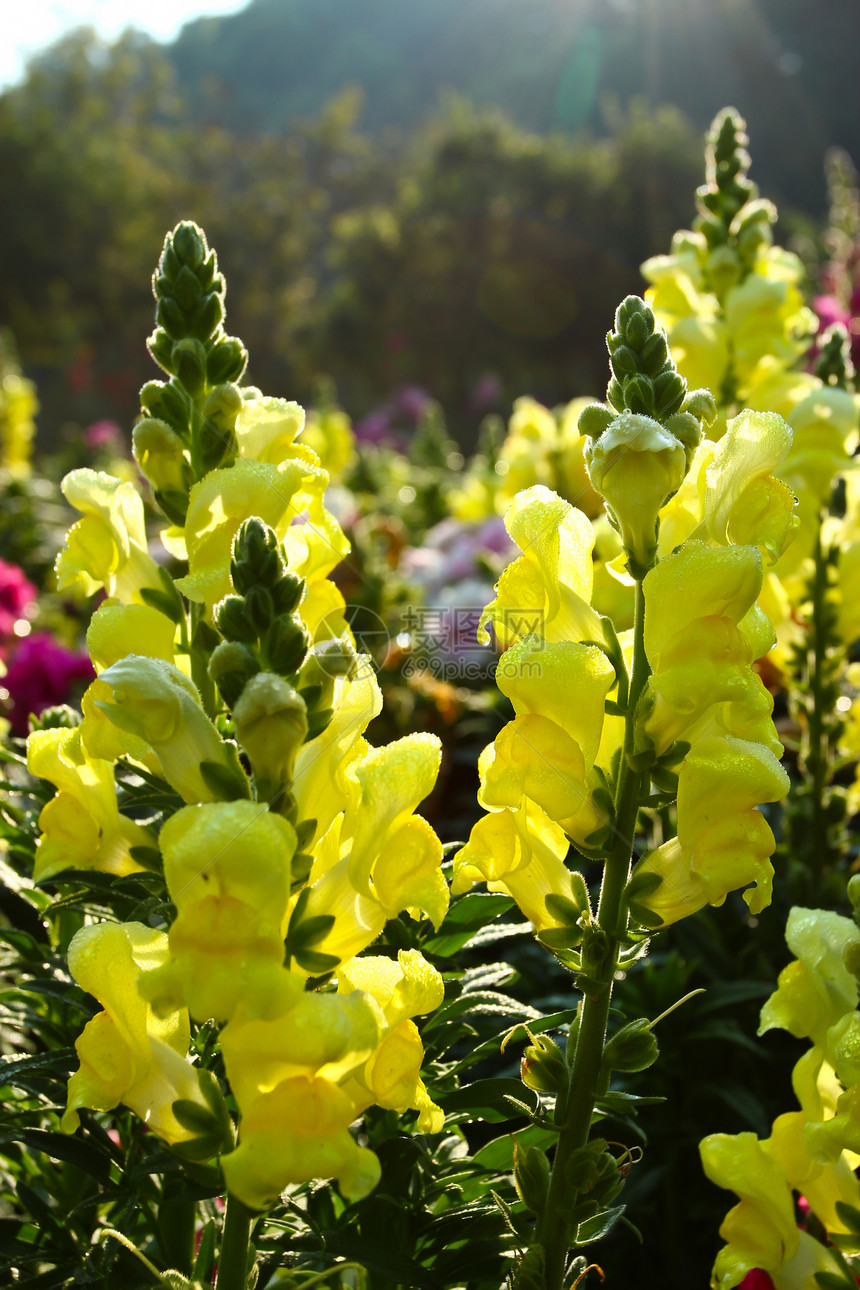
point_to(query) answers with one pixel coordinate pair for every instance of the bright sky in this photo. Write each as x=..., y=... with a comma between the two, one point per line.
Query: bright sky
x=27, y=26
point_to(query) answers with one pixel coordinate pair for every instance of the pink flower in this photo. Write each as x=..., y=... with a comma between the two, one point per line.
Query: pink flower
x=830, y=310
x=17, y=593
x=43, y=672
x=102, y=434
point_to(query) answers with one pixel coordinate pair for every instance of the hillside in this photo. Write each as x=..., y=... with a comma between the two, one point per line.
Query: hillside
x=788, y=65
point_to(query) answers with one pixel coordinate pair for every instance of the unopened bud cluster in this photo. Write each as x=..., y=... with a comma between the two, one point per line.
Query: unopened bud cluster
x=279, y=688
x=644, y=436
x=188, y=423
x=731, y=214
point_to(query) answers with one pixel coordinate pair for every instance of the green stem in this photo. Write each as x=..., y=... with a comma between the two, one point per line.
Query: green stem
x=554, y=1230
x=233, y=1255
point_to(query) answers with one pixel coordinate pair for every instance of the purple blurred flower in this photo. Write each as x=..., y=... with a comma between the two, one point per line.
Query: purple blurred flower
x=485, y=393
x=376, y=428
x=43, y=672
x=454, y=552
x=410, y=400
x=17, y=593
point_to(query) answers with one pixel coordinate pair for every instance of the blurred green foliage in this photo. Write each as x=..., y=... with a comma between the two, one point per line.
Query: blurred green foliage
x=464, y=248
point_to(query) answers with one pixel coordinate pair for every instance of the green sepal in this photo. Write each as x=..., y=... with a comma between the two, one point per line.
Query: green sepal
x=632, y=1048
x=167, y=601
x=229, y=783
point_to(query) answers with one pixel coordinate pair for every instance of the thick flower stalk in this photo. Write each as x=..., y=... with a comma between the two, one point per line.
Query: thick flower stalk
x=812, y=1151
x=606, y=723
x=287, y=841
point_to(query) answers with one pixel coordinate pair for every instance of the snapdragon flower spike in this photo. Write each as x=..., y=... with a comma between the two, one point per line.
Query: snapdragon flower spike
x=272, y=879
x=644, y=437
x=732, y=304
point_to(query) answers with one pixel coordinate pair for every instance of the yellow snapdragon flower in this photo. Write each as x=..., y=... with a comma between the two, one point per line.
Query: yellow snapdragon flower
x=547, y=752
x=547, y=590
x=107, y=548
x=82, y=827
x=521, y=853
x=297, y=1132
x=227, y=869
x=723, y=842
x=128, y=1052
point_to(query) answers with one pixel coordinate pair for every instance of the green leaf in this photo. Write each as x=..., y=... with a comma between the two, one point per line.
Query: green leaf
x=485, y=1099
x=60, y=1062
x=849, y=1215
x=205, y=1259
x=832, y=1281
x=469, y=915
x=498, y=1155
x=594, y=1228
x=478, y=1003
x=615, y=1102
x=77, y=1151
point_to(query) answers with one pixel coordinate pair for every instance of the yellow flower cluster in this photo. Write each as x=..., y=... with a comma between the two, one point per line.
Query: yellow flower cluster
x=268, y=893
x=541, y=446
x=813, y=1151
x=732, y=305
x=544, y=780
x=18, y=407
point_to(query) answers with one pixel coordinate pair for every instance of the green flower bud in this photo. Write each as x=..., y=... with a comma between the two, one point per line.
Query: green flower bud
x=632, y=1048
x=258, y=560
x=286, y=644
x=639, y=395
x=271, y=722
x=232, y=621
x=702, y=405
x=170, y=315
x=189, y=363
x=231, y=666
x=259, y=609
x=160, y=347
x=634, y=321
x=623, y=362
x=226, y=361
x=654, y=354
x=159, y=454
x=543, y=1066
x=164, y=402
x=636, y=465
x=531, y=1177
x=217, y=435
x=669, y=390
x=288, y=593
x=594, y=418
x=189, y=243
x=207, y=317
x=187, y=289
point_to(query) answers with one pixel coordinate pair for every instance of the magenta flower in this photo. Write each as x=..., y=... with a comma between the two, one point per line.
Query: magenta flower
x=102, y=434
x=17, y=594
x=756, y=1280
x=43, y=672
